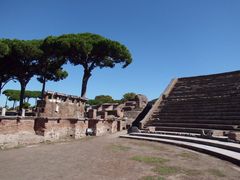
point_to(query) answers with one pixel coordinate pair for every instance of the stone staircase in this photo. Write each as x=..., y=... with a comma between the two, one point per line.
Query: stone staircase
x=196, y=104
x=201, y=113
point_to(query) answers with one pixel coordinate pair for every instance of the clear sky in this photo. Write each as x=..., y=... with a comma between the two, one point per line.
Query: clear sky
x=167, y=39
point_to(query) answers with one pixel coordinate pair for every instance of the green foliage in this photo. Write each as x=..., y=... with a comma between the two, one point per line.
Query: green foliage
x=4, y=49
x=23, y=57
x=129, y=96
x=26, y=105
x=5, y=64
x=14, y=95
x=51, y=62
x=91, y=51
x=100, y=100
x=108, y=99
x=32, y=94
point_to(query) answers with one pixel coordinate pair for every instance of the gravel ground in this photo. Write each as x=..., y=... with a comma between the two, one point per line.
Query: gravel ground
x=110, y=157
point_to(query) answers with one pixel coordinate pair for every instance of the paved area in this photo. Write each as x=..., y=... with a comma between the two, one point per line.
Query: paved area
x=110, y=157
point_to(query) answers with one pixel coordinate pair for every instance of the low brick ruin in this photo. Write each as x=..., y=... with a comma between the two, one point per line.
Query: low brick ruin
x=59, y=105
x=59, y=117
x=126, y=113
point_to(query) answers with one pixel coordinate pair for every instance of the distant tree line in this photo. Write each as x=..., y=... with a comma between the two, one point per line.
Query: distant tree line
x=21, y=60
x=14, y=95
x=101, y=99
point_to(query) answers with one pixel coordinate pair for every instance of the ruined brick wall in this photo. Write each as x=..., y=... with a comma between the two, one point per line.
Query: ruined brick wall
x=54, y=108
x=61, y=105
x=14, y=125
x=80, y=129
x=58, y=129
x=16, y=131
x=55, y=129
x=106, y=127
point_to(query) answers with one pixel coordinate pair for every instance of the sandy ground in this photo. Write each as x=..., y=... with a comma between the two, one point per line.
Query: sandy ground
x=110, y=157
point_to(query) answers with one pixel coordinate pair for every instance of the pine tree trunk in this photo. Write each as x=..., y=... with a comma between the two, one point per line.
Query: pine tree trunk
x=1, y=88
x=22, y=93
x=14, y=102
x=85, y=79
x=6, y=102
x=43, y=87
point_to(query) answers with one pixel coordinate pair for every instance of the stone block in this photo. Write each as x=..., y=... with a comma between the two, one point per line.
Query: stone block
x=234, y=136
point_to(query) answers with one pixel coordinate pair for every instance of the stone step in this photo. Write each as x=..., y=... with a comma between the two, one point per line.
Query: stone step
x=180, y=129
x=202, y=104
x=194, y=125
x=225, y=154
x=180, y=102
x=196, y=117
x=173, y=133
x=213, y=137
x=225, y=145
x=203, y=95
x=182, y=110
x=197, y=121
x=237, y=113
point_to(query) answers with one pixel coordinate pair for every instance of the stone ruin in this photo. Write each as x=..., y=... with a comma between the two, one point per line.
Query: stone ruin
x=60, y=116
x=126, y=112
x=59, y=105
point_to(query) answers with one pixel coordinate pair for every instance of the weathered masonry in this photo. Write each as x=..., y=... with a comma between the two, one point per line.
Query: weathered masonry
x=59, y=105
x=208, y=105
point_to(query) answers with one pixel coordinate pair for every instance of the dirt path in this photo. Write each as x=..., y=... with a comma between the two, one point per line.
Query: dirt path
x=110, y=157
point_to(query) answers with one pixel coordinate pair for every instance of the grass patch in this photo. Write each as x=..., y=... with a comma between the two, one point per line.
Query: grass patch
x=166, y=170
x=159, y=148
x=152, y=146
x=118, y=147
x=189, y=155
x=216, y=172
x=152, y=178
x=149, y=160
x=192, y=172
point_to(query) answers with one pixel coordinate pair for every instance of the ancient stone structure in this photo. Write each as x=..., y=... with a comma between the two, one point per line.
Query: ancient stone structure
x=132, y=109
x=141, y=101
x=201, y=104
x=105, y=111
x=61, y=105
x=59, y=117
x=102, y=127
x=126, y=112
x=17, y=131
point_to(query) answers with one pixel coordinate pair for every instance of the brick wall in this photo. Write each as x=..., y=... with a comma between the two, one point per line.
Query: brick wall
x=16, y=131
x=14, y=125
x=106, y=127
x=65, y=109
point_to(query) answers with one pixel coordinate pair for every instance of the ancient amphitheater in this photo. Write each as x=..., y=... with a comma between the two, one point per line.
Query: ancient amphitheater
x=200, y=113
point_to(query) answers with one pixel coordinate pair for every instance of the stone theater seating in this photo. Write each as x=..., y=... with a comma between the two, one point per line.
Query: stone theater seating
x=196, y=104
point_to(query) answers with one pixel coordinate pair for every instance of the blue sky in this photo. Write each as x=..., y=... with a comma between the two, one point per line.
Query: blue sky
x=167, y=39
